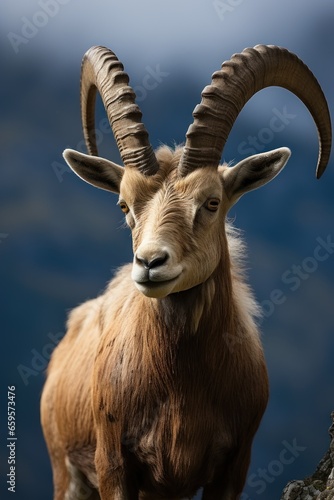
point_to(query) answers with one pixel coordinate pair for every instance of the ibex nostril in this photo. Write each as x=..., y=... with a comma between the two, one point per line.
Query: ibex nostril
x=158, y=261
x=153, y=262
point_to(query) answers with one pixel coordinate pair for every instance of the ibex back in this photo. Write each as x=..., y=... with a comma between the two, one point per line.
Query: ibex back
x=160, y=383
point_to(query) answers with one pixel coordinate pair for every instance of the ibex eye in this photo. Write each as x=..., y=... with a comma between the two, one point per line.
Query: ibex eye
x=212, y=204
x=124, y=207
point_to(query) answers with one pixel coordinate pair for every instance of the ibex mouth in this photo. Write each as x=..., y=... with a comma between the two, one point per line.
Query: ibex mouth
x=153, y=277
x=156, y=289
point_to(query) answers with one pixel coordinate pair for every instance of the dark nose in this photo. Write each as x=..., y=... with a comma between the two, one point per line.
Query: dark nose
x=155, y=261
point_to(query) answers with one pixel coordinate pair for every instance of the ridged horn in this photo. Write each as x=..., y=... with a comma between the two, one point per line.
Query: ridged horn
x=101, y=71
x=237, y=81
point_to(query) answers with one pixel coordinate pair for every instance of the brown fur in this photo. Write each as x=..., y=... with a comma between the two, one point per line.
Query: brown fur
x=153, y=398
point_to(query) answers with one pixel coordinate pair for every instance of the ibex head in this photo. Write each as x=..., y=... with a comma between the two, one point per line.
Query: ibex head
x=176, y=201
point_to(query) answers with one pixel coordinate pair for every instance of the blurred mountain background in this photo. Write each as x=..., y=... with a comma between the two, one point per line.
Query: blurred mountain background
x=61, y=240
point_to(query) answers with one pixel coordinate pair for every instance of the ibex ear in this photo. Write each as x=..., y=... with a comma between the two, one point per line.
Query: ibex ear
x=253, y=172
x=97, y=171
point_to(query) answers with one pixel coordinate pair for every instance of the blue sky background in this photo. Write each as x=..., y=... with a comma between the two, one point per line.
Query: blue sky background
x=61, y=240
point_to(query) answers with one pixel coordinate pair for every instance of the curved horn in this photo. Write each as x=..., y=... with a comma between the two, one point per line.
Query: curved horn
x=238, y=80
x=102, y=71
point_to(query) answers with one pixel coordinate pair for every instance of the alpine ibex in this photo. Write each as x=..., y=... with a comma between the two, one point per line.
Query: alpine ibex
x=160, y=383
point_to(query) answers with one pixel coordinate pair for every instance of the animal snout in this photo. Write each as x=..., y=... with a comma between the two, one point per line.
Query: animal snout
x=154, y=266
x=152, y=261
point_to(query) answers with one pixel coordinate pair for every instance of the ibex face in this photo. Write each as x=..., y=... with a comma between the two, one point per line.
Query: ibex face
x=176, y=230
x=178, y=224
x=176, y=202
